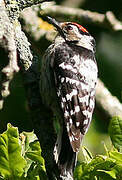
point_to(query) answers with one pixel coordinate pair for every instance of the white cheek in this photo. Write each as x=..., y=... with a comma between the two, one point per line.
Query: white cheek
x=85, y=41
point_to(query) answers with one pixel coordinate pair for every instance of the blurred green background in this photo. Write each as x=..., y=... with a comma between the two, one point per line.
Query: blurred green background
x=109, y=59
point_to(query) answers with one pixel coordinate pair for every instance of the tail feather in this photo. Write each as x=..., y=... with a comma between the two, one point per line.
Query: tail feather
x=64, y=156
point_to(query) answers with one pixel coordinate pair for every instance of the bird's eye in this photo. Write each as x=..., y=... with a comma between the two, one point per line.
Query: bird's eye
x=69, y=28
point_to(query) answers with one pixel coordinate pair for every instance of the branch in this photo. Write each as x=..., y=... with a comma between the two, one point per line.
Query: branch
x=15, y=7
x=28, y=3
x=7, y=44
x=31, y=24
x=28, y=63
x=109, y=104
x=107, y=20
x=72, y=3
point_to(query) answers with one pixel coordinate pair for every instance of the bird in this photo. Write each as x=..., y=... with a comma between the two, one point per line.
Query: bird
x=67, y=85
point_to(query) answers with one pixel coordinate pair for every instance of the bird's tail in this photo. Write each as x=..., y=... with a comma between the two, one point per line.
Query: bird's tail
x=64, y=156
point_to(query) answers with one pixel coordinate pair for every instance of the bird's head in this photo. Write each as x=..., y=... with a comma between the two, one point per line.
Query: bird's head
x=74, y=33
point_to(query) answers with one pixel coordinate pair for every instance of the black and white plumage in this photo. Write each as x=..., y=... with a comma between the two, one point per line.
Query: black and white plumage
x=67, y=85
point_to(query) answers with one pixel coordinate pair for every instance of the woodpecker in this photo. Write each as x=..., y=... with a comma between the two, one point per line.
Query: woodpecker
x=67, y=85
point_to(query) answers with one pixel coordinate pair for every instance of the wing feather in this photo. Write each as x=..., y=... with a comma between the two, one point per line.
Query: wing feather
x=75, y=94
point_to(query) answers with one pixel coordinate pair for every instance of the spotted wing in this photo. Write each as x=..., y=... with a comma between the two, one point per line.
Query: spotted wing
x=75, y=79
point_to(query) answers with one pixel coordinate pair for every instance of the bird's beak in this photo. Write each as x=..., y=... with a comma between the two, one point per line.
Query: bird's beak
x=56, y=24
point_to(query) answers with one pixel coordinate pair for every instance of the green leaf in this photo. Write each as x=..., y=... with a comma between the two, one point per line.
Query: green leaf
x=35, y=171
x=25, y=139
x=116, y=156
x=35, y=168
x=11, y=162
x=118, y=170
x=99, y=162
x=87, y=154
x=111, y=173
x=115, y=172
x=102, y=167
x=78, y=171
x=115, y=131
x=96, y=168
x=35, y=152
